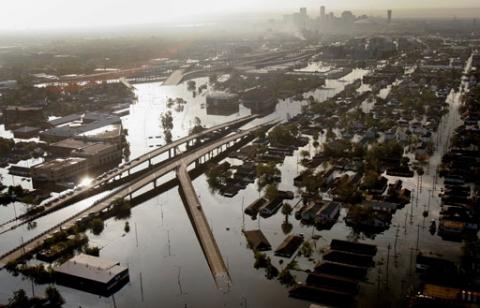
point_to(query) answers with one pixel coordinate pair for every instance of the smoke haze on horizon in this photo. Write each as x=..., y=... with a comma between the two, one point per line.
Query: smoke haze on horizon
x=57, y=14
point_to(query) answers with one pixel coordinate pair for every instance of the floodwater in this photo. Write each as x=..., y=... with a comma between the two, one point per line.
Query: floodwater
x=166, y=264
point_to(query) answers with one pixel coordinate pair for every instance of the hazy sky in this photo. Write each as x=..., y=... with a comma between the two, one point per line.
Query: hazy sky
x=38, y=14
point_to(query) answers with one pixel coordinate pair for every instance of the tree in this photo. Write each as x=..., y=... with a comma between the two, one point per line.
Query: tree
x=168, y=136
x=121, y=208
x=283, y=135
x=286, y=278
x=271, y=192
x=306, y=249
x=197, y=126
x=53, y=297
x=97, y=226
x=330, y=134
x=93, y=251
x=286, y=227
x=304, y=154
x=286, y=210
x=19, y=299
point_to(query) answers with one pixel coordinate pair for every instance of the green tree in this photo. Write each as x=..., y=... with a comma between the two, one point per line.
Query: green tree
x=286, y=210
x=53, y=297
x=19, y=299
x=271, y=192
x=97, y=226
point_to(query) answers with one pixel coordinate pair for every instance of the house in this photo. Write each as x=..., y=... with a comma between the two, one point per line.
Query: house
x=257, y=240
x=348, y=258
x=450, y=228
x=92, y=274
x=382, y=206
x=26, y=132
x=328, y=214
x=27, y=115
x=255, y=206
x=353, y=247
x=311, y=210
x=271, y=207
x=289, y=246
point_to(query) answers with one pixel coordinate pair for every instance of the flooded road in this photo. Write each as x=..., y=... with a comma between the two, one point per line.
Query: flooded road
x=167, y=267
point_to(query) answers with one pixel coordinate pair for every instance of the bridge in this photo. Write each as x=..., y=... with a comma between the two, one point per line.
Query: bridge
x=127, y=169
x=175, y=78
x=182, y=74
x=192, y=204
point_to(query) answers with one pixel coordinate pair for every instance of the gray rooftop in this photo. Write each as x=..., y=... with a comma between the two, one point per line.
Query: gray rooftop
x=91, y=268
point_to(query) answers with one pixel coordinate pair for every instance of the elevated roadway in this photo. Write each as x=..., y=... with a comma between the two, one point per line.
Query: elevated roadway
x=199, y=222
x=128, y=167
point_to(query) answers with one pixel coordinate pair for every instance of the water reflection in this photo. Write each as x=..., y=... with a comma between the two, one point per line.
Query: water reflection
x=161, y=250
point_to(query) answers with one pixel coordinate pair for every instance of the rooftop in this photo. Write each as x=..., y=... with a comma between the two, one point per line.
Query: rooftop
x=94, y=149
x=60, y=163
x=26, y=129
x=72, y=144
x=91, y=268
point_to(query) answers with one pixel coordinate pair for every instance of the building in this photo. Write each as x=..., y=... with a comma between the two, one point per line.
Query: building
x=322, y=13
x=257, y=240
x=328, y=214
x=27, y=115
x=8, y=84
x=26, y=132
x=90, y=122
x=92, y=274
x=389, y=16
x=222, y=103
x=303, y=11
x=289, y=245
x=60, y=170
x=432, y=295
x=98, y=154
x=348, y=17
x=311, y=210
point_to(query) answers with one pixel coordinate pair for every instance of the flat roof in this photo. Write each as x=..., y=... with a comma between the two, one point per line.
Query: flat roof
x=91, y=268
x=59, y=163
x=23, y=108
x=71, y=143
x=26, y=129
x=66, y=119
x=94, y=148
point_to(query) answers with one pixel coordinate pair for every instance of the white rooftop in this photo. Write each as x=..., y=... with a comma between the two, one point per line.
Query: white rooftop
x=92, y=268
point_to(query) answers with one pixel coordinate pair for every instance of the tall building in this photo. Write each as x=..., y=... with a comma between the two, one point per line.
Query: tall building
x=389, y=16
x=322, y=12
x=303, y=11
x=348, y=17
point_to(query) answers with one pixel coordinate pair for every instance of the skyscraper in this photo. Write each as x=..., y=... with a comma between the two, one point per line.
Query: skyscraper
x=303, y=11
x=389, y=16
x=322, y=12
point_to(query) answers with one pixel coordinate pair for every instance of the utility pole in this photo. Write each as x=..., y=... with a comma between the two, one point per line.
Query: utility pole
x=388, y=261
x=418, y=235
x=243, y=214
x=169, y=247
x=136, y=234
x=141, y=286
